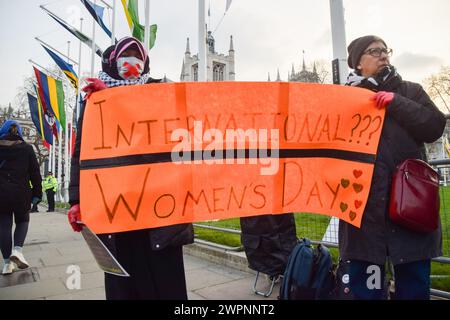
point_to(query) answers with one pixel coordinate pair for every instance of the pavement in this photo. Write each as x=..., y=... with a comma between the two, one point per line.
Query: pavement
x=53, y=249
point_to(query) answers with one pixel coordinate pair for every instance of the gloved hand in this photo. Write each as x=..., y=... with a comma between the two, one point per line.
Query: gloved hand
x=74, y=215
x=383, y=99
x=94, y=86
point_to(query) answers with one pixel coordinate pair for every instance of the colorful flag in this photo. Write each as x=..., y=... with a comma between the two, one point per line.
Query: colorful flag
x=43, y=128
x=52, y=96
x=137, y=30
x=65, y=67
x=96, y=12
x=81, y=36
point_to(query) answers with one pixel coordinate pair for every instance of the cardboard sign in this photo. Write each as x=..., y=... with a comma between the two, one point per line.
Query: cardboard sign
x=162, y=154
x=104, y=258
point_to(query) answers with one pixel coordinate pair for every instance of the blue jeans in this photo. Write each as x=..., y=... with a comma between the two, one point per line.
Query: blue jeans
x=412, y=280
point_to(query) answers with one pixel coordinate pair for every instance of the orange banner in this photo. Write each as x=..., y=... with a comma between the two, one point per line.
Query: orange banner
x=162, y=154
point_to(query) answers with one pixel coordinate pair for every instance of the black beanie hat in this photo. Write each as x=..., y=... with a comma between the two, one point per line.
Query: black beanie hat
x=357, y=47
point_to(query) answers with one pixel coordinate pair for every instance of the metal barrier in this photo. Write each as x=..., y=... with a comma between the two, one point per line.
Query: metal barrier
x=443, y=167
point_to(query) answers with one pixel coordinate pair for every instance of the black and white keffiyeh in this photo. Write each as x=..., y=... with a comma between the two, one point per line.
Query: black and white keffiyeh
x=387, y=80
x=111, y=82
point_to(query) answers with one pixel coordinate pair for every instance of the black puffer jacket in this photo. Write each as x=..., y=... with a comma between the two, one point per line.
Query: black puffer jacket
x=411, y=119
x=160, y=238
x=18, y=166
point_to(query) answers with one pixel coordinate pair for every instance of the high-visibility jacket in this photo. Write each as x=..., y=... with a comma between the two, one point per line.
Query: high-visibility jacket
x=50, y=182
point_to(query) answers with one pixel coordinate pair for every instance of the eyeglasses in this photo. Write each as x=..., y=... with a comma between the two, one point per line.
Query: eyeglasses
x=376, y=52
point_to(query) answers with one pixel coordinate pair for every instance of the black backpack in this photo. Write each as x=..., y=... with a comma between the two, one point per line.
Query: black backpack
x=309, y=273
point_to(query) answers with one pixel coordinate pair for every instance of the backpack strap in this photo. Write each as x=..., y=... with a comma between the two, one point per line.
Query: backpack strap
x=307, y=242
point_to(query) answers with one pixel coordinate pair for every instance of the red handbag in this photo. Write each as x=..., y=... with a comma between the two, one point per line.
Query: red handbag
x=414, y=200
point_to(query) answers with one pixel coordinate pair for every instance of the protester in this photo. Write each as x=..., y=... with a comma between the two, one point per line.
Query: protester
x=50, y=186
x=411, y=120
x=153, y=257
x=18, y=166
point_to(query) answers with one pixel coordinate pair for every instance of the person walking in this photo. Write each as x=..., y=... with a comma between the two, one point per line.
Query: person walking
x=50, y=186
x=18, y=166
x=411, y=120
x=152, y=257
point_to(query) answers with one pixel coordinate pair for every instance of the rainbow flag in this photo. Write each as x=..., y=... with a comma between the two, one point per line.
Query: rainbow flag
x=52, y=97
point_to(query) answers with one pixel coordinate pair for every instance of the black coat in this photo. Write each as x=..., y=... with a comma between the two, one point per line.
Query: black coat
x=159, y=238
x=411, y=120
x=18, y=166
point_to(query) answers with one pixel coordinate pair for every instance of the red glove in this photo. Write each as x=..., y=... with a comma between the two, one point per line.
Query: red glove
x=74, y=215
x=94, y=86
x=383, y=99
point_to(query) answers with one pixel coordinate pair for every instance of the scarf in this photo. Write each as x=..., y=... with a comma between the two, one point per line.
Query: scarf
x=111, y=82
x=386, y=80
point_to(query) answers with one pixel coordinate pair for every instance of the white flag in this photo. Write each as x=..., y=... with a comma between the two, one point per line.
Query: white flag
x=228, y=5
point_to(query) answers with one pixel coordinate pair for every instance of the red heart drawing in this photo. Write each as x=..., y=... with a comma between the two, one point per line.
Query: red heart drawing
x=358, y=204
x=343, y=206
x=352, y=215
x=357, y=173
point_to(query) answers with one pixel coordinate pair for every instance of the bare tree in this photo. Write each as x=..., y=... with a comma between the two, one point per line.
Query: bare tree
x=438, y=87
x=21, y=98
x=323, y=69
x=6, y=113
x=41, y=152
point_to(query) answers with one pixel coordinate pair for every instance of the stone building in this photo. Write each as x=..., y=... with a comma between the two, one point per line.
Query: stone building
x=220, y=67
x=304, y=75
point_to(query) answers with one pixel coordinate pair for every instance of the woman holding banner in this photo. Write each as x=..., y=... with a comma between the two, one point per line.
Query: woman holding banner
x=411, y=120
x=152, y=257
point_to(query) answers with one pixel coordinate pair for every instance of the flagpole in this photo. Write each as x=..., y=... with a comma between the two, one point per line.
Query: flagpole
x=65, y=195
x=53, y=156
x=60, y=150
x=113, y=31
x=59, y=164
x=338, y=37
x=93, y=45
x=77, y=108
x=147, y=25
x=201, y=41
x=69, y=120
x=49, y=46
x=46, y=70
x=49, y=156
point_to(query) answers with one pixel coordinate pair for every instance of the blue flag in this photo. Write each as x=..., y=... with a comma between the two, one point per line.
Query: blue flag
x=97, y=13
x=65, y=67
x=37, y=115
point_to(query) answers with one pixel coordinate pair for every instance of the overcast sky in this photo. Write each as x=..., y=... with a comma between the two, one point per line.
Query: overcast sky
x=267, y=34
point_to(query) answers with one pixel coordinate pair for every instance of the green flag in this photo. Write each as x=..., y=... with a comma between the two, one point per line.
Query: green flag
x=137, y=30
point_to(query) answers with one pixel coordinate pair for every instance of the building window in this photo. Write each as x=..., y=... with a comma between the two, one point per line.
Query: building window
x=218, y=71
x=195, y=71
